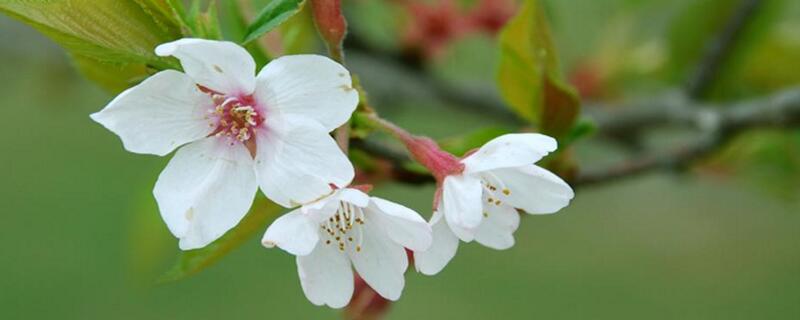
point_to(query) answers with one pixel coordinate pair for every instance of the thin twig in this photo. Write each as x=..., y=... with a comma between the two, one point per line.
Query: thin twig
x=719, y=49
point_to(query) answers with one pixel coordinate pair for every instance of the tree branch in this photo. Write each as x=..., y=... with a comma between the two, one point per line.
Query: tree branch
x=720, y=48
x=717, y=124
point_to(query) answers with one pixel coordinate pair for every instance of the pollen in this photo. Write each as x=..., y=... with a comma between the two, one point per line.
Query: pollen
x=235, y=118
x=506, y=192
x=345, y=227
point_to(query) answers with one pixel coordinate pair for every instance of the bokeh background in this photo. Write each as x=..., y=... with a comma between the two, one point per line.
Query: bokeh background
x=80, y=237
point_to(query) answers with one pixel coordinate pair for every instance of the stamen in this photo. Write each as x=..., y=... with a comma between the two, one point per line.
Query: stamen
x=339, y=225
x=494, y=180
x=233, y=118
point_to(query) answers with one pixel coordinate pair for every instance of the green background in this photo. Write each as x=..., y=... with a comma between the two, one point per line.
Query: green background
x=80, y=237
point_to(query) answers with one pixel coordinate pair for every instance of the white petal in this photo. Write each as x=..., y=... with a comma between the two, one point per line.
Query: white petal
x=403, y=225
x=461, y=201
x=160, y=114
x=293, y=232
x=205, y=190
x=498, y=226
x=325, y=276
x=297, y=161
x=442, y=250
x=535, y=190
x=354, y=196
x=221, y=66
x=308, y=85
x=381, y=262
x=509, y=150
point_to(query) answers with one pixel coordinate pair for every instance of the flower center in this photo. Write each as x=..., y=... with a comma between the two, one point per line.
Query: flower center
x=495, y=190
x=344, y=228
x=235, y=118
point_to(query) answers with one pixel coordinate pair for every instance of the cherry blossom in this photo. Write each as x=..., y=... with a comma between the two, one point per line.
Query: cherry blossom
x=479, y=195
x=234, y=132
x=349, y=228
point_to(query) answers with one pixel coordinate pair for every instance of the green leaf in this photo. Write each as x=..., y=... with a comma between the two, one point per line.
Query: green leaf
x=193, y=261
x=210, y=22
x=109, y=38
x=234, y=28
x=195, y=22
x=275, y=13
x=113, y=77
x=298, y=34
x=161, y=13
x=583, y=128
x=529, y=77
x=106, y=30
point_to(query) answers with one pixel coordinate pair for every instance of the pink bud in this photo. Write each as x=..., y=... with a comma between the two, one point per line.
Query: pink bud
x=331, y=24
x=440, y=163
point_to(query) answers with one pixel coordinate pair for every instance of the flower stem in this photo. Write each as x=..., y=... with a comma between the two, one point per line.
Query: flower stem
x=423, y=149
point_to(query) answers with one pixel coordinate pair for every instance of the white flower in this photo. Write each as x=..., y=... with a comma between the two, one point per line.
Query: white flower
x=349, y=227
x=240, y=131
x=480, y=202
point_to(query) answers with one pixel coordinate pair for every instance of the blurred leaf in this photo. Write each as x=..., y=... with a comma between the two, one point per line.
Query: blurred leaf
x=113, y=77
x=275, y=13
x=210, y=22
x=162, y=14
x=582, y=128
x=193, y=261
x=693, y=25
x=298, y=34
x=93, y=28
x=529, y=78
x=765, y=58
x=234, y=28
x=196, y=22
x=770, y=159
x=105, y=36
x=462, y=144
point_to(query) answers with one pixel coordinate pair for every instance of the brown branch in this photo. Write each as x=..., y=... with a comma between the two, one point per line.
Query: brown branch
x=478, y=100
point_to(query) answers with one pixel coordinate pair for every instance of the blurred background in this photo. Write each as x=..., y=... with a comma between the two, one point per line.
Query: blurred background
x=80, y=236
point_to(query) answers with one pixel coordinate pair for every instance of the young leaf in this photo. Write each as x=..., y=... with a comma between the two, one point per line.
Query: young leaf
x=107, y=38
x=193, y=261
x=161, y=13
x=94, y=28
x=529, y=77
x=113, y=77
x=275, y=13
x=234, y=27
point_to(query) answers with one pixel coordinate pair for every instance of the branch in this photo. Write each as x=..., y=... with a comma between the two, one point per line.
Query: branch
x=410, y=67
x=716, y=125
x=720, y=48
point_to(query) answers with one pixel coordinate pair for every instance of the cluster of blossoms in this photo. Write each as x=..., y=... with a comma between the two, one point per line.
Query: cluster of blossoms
x=236, y=131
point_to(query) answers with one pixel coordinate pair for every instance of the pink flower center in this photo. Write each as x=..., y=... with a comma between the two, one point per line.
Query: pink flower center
x=237, y=118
